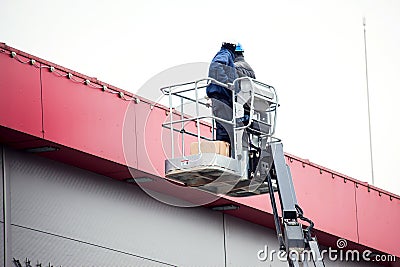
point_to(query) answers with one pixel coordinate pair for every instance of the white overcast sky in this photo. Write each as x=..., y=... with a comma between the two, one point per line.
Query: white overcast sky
x=312, y=52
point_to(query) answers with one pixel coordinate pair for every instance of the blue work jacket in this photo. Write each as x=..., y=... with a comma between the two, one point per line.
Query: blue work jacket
x=222, y=69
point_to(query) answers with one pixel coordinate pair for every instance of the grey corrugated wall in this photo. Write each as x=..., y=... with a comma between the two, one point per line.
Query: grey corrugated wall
x=2, y=208
x=71, y=217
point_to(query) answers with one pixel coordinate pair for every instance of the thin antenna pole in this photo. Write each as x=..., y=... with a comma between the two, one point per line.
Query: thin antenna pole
x=369, y=113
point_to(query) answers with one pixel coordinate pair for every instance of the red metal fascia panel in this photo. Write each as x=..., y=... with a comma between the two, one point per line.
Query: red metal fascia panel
x=24, y=142
x=149, y=135
x=335, y=173
x=91, y=121
x=378, y=220
x=329, y=201
x=20, y=94
x=83, y=118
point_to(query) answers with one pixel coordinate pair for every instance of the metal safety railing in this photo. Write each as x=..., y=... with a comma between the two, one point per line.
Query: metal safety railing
x=260, y=98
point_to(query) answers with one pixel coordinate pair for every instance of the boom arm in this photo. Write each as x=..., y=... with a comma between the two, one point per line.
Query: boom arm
x=295, y=239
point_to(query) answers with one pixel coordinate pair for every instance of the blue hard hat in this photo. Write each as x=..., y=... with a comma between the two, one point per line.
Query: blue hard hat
x=239, y=48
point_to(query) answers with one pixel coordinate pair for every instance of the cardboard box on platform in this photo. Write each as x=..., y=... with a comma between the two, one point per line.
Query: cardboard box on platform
x=218, y=147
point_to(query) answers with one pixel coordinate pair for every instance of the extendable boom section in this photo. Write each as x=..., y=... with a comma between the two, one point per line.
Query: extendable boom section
x=296, y=239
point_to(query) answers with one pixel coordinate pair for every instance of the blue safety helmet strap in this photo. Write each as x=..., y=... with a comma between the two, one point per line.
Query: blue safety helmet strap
x=239, y=48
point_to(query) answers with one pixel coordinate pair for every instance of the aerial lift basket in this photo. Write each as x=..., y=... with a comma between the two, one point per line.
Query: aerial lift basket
x=216, y=166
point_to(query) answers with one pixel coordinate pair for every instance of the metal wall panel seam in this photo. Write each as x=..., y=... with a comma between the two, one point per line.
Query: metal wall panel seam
x=355, y=201
x=3, y=206
x=136, y=141
x=6, y=210
x=41, y=98
x=224, y=233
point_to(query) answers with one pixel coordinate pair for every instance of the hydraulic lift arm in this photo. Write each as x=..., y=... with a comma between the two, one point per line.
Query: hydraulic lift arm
x=294, y=240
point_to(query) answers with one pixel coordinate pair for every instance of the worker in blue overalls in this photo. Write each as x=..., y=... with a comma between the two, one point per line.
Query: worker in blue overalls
x=222, y=69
